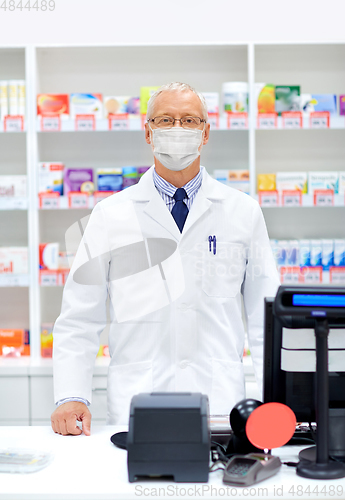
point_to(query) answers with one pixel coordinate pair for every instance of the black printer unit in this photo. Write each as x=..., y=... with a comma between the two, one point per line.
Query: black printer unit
x=169, y=435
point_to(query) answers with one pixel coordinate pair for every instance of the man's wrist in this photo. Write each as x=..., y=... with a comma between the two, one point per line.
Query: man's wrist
x=67, y=400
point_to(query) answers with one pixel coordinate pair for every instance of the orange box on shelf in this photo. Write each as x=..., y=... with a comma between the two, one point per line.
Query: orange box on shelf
x=53, y=104
x=47, y=340
x=14, y=342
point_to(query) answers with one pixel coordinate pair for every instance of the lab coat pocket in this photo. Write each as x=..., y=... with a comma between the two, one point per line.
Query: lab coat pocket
x=223, y=269
x=228, y=386
x=124, y=381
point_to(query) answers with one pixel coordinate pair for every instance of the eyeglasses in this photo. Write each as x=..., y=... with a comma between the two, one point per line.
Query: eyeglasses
x=169, y=121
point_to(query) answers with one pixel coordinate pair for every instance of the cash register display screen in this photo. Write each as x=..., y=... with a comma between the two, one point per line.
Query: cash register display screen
x=318, y=300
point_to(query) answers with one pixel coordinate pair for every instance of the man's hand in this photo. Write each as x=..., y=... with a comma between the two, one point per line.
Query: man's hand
x=64, y=418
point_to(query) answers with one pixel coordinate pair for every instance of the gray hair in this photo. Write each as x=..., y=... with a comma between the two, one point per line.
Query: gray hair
x=176, y=86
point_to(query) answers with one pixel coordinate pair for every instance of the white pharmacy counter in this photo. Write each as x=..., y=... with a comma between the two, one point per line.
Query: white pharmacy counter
x=92, y=468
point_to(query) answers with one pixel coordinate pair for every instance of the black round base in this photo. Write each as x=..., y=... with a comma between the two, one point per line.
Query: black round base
x=312, y=470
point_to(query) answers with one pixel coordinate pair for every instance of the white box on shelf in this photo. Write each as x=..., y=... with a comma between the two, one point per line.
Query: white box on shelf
x=50, y=177
x=322, y=180
x=292, y=181
x=13, y=186
x=341, y=187
x=339, y=252
x=14, y=260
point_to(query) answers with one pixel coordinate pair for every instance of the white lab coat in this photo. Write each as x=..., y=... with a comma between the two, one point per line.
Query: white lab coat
x=176, y=323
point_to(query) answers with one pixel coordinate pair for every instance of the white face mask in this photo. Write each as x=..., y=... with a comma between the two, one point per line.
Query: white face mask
x=176, y=148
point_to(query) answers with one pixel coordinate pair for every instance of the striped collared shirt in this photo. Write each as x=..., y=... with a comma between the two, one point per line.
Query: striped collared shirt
x=167, y=190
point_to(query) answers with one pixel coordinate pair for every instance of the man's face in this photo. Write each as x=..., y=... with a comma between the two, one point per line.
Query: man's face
x=177, y=104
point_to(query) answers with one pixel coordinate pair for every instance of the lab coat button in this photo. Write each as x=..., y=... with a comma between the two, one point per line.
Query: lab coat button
x=183, y=364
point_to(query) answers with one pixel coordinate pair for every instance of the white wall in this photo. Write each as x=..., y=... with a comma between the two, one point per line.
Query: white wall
x=174, y=21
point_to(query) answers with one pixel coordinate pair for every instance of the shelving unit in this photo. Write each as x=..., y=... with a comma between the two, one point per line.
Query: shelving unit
x=123, y=70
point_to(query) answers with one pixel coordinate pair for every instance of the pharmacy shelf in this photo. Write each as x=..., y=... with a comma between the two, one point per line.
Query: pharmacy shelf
x=9, y=280
x=13, y=203
x=63, y=203
x=316, y=67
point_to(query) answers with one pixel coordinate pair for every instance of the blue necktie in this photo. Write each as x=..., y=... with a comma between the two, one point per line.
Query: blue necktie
x=180, y=209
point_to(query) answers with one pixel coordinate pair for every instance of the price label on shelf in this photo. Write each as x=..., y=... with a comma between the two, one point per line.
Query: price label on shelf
x=49, y=201
x=267, y=121
x=48, y=278
x=50, y=122
x=78, y=200
x=319, y=119
x=118, y=122
x=268, y=198
x=13, y=123
x=324, y=197
x=101, y=195
x=237, y=121
x=337, y=275
x=292, y=119
x=85, y=123
x=312, y=275
x=291, y=198
x=290, y=275
x=213, y=120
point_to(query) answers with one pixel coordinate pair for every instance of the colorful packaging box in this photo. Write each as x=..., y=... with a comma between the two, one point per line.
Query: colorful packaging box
x=235, y=97
x=266, y=182
x=318, y=102
x=212, y=101
x=315, y=252
x=323, y=180
x=142, y=170
x=339, y=252
x=133, y=107
x=292, y=254
x=47, y=340
x=86, y=104
x=287, y=98
x=265, y=97
x=115, y=105
x=49, y=256
x=145, y=94
x=282, y=252
x=239, y=179
x=129, y=176
x=327, y=254
x=109, y=179
x=341, y=184
x=50, y=177
x=79, y=180
x=53, y=103
x=14, y=342
x=13, y=186
x=304, y=252
x=292, y=181
x=342, y=105
x=14, y=260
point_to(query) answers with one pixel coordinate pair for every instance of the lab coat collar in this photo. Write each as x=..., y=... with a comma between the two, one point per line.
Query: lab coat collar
x=156, y=208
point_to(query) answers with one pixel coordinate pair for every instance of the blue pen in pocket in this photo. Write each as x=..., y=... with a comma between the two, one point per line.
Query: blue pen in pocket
x=212, y=239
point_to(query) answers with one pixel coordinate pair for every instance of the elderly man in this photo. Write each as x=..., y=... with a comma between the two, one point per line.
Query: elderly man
x=175, y=254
